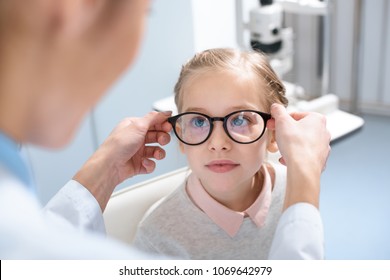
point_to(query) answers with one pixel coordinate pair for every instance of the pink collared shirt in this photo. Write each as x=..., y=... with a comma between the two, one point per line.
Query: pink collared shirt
x=230, y=221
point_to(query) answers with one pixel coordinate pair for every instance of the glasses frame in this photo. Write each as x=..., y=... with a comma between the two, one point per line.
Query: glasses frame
x=172, y=120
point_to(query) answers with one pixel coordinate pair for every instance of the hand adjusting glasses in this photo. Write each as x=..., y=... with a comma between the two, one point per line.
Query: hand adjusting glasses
x=244, y=127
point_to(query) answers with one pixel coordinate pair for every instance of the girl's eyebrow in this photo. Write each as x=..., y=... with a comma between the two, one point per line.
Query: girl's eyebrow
x=195, y=109
x=231, y=109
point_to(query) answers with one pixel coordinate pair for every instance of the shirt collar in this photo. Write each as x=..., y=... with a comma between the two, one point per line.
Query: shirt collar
x=230, y=221
x=11, y=159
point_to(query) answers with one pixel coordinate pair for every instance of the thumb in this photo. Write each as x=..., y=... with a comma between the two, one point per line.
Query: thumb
x=278, y=111
x=156, y=119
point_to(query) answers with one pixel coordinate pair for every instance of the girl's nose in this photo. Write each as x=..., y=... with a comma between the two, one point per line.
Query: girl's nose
x=219, y=140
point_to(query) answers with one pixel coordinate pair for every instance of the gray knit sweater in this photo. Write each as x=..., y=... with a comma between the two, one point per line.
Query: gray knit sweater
x=176, y=227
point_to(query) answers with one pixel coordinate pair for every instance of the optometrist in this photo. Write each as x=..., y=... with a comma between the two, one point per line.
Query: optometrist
x=58, y=58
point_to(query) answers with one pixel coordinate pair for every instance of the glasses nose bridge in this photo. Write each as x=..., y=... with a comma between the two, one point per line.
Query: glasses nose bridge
x=217, y=119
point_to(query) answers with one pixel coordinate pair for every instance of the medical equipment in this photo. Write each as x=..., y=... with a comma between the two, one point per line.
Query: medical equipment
x=267, y=34
x=265, y=25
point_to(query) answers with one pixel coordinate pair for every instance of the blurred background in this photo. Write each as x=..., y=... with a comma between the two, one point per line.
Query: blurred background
x=345, y=52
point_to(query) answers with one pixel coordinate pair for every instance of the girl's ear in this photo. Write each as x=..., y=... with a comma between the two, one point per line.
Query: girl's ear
x=272, y=146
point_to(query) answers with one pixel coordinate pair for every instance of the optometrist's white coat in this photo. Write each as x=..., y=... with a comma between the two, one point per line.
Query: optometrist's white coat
x=71, y=227
x=75, y=231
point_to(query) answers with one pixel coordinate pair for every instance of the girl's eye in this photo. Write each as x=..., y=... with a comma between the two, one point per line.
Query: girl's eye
x=239, y=121
x=199, y=122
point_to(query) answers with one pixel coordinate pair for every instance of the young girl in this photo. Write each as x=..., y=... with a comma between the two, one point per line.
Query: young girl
x=230, y=204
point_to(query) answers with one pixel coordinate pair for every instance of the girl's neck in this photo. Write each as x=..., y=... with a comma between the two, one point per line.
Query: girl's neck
x=245, y=195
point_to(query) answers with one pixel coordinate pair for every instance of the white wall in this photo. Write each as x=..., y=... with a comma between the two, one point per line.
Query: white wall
x=168, y=43
x=214, y=24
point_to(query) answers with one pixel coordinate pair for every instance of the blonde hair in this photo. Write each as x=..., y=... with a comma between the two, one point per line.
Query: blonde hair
x=231, y=59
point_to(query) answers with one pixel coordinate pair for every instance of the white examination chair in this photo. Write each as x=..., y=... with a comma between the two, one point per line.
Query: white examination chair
x=127, y=206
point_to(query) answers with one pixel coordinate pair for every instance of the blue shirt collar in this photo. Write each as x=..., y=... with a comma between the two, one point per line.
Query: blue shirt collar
x=12, y=160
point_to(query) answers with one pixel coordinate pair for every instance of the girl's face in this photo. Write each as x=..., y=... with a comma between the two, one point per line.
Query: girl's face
x=224, y=167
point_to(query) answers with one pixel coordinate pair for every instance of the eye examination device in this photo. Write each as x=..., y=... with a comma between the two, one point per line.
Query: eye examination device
x=268, y=35
x=265, y=25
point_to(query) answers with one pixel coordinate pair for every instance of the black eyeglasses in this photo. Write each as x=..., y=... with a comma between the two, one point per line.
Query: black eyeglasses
x=244, y=127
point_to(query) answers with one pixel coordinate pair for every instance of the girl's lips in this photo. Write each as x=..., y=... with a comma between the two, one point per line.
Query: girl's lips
x=221, y=166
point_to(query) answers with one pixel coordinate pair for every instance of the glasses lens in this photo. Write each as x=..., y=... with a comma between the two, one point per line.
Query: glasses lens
x=245, y=126
x=192, y=128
